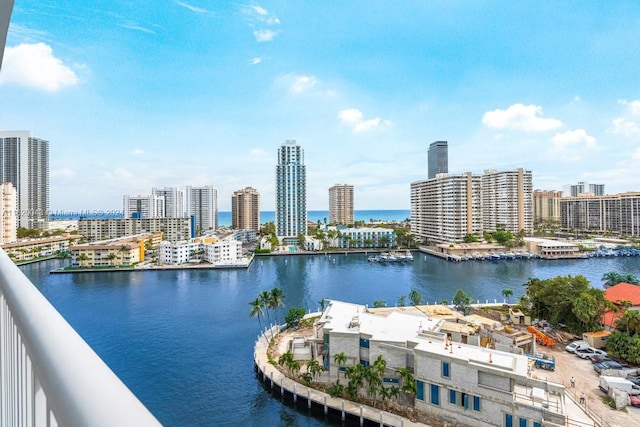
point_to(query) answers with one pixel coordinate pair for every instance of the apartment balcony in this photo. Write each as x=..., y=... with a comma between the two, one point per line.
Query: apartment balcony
x=49, y=375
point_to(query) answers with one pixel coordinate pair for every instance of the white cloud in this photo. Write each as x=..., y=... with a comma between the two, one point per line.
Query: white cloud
x=256, y=61
x=354, y=118
x=260, y=10
x=625, y=127
x=137, y=152
x=119, y=174
x=636, y=155
x=265, y=35
x=572, y=142
x=257, y=152
x=303, y=84
x=632, y=106
x=191, y=7
x=33, y=65
x=259, y=17
x=520, y=117
x=131, y=26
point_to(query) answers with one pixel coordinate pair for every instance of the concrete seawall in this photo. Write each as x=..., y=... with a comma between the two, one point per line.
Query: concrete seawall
x=316, y=402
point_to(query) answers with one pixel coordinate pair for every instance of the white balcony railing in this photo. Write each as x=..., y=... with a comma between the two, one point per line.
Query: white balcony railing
x=49, y=375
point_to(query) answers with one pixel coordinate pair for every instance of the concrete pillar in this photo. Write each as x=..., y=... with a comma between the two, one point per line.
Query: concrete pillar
x=343, y=410
x=325, y=405
x=308, y=398
x=295, y=395
x=361, y=416
x=272, y=379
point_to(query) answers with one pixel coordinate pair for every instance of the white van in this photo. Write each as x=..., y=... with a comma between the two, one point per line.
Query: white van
x=576, y=345
x=622, y=384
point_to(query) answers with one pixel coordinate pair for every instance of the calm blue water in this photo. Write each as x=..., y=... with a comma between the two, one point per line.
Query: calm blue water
x=183, y=341
x=224, y=218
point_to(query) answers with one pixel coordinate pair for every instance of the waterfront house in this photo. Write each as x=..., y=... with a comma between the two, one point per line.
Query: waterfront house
x=460, y=383
x=617, y=294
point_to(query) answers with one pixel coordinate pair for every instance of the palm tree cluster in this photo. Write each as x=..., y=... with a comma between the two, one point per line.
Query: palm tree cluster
x=370, y=378
x=265, y=301
x=612, y=278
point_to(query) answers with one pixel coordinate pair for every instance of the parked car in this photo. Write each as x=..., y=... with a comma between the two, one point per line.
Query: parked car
x=597, y=358
x=634, y=379
x=635, y=401
x=586, y=353
x=576, y=345
x=602, y=366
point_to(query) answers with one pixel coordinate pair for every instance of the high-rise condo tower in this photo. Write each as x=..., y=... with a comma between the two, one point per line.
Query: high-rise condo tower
x=291, y=193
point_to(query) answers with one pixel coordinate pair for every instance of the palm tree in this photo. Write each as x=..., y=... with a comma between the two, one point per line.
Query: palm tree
x=356, y=376
x=276, y=299
x=265, y=297
x=286, y=360
x=321, y=303
x=506, y=292
x=81, y=258
x=111, y=257
x=415, y=297
x=611, y=278
x=257, y=311
x=408, y=382
x=340, y=359
x=314, y=368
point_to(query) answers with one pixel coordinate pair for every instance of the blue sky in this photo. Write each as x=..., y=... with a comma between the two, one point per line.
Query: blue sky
x=203, y=92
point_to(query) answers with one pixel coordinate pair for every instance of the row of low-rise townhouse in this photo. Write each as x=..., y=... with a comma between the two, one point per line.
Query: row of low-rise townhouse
x=183, y=252
x=460, y=383
x=24, y=250
x=118, y=252
x=363, y=237
x=227, y=251
x=173, y=229
x=616, y=213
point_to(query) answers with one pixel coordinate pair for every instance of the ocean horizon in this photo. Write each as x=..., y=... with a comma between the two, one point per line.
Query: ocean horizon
x=224, y=217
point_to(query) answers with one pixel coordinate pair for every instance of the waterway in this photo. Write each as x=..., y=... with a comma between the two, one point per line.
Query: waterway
x=182, y=340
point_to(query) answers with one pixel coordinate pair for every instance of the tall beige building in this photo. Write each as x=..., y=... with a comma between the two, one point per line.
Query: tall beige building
x=614, y=213
x=446, y=208
x=546, y=205
x=341, y=204
x=9, y=206
x=507, y=200
x=245, y=209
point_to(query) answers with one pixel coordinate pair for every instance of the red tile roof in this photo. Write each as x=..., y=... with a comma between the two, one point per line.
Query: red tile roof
x=623, y=291
x=617, y=293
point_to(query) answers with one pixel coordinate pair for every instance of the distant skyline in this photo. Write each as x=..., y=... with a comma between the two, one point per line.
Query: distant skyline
x=198, y=93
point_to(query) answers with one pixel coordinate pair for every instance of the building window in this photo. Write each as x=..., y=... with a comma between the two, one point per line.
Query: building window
x=508, y=420
x=435, y=394
x=476, y=403
x=537, y=424
x=445, y=370
x=419, y=390
x=522, y=422
x=364, y=342
x=452, y=397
